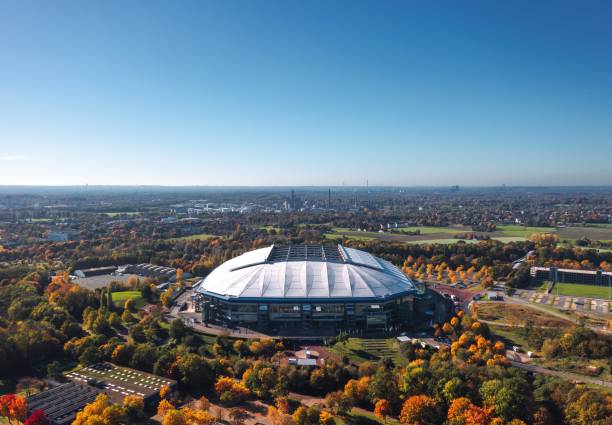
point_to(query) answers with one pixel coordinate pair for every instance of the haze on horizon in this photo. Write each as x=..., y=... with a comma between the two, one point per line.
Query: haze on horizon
x=305, y=93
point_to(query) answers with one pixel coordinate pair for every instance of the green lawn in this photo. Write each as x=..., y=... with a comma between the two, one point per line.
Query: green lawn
x=193, y=237
x=523, y=231
x=579, y=290
x=367, y=349
x=119, y=298
x=510, y=336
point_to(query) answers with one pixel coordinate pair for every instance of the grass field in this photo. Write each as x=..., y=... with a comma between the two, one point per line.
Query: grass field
x=361, y=349
x=443, y=241
x=270, y=227
x=578, y=290
x=428, y=230
x=194, y=237
x=115, y=214
x=119, y=298
x=510, y=336
x=445, y=235
x=523, y=231
x=518, y=315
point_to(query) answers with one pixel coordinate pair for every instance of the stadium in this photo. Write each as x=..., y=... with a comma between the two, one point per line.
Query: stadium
x=314, y=290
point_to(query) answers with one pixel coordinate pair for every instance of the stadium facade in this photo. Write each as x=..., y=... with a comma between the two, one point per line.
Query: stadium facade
x=314, y=289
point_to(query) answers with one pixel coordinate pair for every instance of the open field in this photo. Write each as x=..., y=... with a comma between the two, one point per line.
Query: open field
x=511, y=336
x=579, y=290
x=522, y=231
x=115, y=214
x=119, y=298
x=364, y=349
x=193, y=237
x=429, y=230
x=444, y=241
x=594, y=233
x=445, y=235
x=518, y=315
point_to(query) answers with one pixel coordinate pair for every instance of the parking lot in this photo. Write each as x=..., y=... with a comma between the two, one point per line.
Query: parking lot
x=566, y=302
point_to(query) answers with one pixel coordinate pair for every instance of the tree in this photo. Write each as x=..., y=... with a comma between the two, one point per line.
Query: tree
x=163, y=407
x=164, y=391
x=238, y=415
x=126, y=316
x=509, y=398
x=174, y=417
x=129, y=305
x=178, y=329
x=195, y=370
x=382, y=409
x=326, y=418
x=420, y=410
x=37, y=417
x=463, y=412
x=231, y=391
x=13, y=407
x=134, y=407
x=338, y=402
x=101, y=412
x=587, y=407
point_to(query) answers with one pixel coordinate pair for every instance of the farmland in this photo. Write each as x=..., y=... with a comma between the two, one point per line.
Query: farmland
x=446, y=235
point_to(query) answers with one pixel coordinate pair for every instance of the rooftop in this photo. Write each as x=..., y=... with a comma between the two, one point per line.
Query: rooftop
x=306, y=271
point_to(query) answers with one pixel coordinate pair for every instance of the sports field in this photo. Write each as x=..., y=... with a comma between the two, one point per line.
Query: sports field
x=119, y=298
x=578, y=290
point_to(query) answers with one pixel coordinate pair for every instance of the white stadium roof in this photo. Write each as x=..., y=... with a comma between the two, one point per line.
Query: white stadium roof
x=306, y=271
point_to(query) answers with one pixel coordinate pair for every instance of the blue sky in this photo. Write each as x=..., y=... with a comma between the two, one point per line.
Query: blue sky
x=305, y=93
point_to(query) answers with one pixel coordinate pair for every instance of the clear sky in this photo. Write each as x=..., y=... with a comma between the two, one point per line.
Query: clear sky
x=305, y=92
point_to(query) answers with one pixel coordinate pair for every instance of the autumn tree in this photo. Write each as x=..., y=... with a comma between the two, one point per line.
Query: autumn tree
x=13, y=407
x=420, y=410
x=382, y=409
x=37, y=417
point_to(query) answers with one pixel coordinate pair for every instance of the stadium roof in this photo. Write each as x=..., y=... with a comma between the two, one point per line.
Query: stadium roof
x=306, y=271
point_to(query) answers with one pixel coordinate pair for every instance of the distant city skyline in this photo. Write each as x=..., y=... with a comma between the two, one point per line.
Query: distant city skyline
x=253, y=93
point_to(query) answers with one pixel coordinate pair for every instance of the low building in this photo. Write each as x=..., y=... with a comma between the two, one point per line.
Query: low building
x=149, y=270
x=587, y=277
x=97, y=271
x=62, y=403
x=118, y=382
